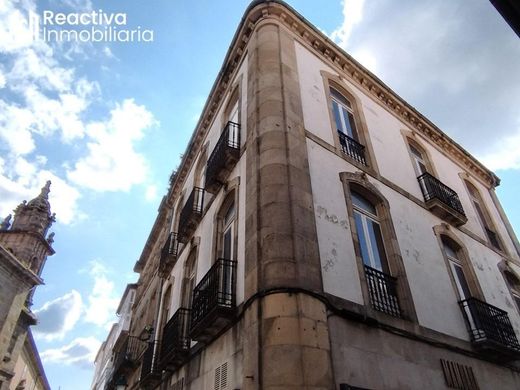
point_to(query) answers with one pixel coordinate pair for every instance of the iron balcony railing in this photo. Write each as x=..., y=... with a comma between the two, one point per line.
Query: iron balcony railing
x=169, y=252
x=352, y=148
x=225, y=154
x=191, y=214
x=149, y=367
x=382, y=289
x=489, y=326
x=175, y=339
x=433, y=188
x=130, y=353
x=215, y=290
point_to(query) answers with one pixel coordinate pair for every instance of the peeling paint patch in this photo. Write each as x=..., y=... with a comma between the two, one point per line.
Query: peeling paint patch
x=333, y=218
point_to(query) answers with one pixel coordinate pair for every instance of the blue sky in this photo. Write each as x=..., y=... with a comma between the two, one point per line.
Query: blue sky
x=107, y=122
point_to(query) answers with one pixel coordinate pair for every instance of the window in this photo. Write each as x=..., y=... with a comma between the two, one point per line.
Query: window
x=418, y=159
x=345, y=125
x=188, y=282
x=457, y=270
x=369, y=233
x=228, y=233
x=483, y=216
x=513, y=283
x=378, y=258
x=343, y=114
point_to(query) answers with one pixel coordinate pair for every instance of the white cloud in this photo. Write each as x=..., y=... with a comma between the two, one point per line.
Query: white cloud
x=112, y=163
x=23, y=179
x=352, y=15
x=59, y=316
x=505, y=154
x=80, y=352
x=151, y=193
x=102, y=301
x=461, y=72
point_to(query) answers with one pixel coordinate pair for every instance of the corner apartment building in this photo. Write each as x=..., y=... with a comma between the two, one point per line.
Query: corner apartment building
x=320, y=233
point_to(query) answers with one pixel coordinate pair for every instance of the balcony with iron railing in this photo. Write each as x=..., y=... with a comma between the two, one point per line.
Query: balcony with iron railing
x=175, y=343
x=352, y=148
x=490, y=329
x=126, y=358
x=150, y=372
x=223, y=158
x=382, y=290
x=214, y=301
x=442, y=200
x=191, y=215
x=168, y=254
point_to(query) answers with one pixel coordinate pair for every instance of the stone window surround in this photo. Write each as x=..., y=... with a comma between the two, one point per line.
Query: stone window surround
x=444, y=230
x=488, y=219
x=412, y=139
x=332, y=81
x=231, y=194
x=395, y=263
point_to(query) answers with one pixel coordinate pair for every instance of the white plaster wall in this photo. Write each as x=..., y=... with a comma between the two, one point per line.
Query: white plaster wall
x=432, y=290
x=338, y=264
x=314, y=101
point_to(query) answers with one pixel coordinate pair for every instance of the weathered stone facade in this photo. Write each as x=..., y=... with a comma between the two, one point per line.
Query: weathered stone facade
x=24, y=247
x=343, y=240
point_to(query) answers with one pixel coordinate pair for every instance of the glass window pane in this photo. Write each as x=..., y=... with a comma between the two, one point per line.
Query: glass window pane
x=376, y=241
x=362, y=239
x=351, y=125
x=462, y=283
x=450, y=252
x=337, y=119
x=339, y=97
x=362, y=203
x=228, y=240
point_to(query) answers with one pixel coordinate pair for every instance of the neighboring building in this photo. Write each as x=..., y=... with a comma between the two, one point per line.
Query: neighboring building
x=320, y=233
x=106, y=364
x=28, y=370
x=24, y=247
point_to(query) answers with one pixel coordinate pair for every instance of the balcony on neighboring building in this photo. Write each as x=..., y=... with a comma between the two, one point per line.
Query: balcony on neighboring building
x=223, y=158
x=382, y=289
x=191, y=215
x=442, y=200
x=126, y=357
x=150, y=373
x=490, y=329
x=175, y=343
x=352, y=148
x=168, y=254
x=213, y=305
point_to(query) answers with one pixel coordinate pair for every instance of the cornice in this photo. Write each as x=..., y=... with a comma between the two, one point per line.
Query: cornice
x=340, y=61
x=38, y=236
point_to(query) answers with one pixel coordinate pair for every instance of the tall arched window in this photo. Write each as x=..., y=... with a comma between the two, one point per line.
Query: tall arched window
x=419, y=159
x=343, y=114
x=188, y=282
x=226, y=228
x=346, y=126
x=513, y=283
x=456, y=265
x=369, y=233
x=483, y=216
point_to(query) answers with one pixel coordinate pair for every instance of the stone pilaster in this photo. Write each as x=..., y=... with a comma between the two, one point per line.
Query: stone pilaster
x=287, y=340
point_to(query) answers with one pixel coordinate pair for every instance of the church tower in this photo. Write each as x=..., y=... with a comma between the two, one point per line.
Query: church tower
x=27, y=237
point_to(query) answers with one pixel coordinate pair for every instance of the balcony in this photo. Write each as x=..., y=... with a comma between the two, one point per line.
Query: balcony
x=352, y=148
x=150, y=373
x=191, y=215
x=223, y=158
x=490, y=329
x=442, y=200
x=214, y=303
x=126, y=358
x=382, y=289
x=168, y=254
x=175, y=343
x=129, y=354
